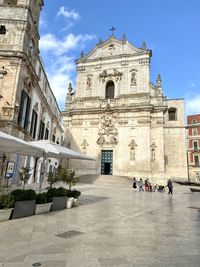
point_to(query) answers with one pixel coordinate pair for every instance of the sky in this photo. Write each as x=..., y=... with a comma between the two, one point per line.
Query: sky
x=170, y=28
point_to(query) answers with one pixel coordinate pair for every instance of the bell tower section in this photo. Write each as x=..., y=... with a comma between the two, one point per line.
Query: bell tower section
x=19, y=51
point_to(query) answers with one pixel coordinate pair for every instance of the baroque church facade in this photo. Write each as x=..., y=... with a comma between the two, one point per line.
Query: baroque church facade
x=117, y=115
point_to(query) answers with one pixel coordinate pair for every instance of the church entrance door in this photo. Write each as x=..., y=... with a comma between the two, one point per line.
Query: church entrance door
x=107, y=162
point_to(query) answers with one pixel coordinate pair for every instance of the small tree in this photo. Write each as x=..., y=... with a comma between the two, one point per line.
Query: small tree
x=68, y=177
x=24, y=175
x=51, y=179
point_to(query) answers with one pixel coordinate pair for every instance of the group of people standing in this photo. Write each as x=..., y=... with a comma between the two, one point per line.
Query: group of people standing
x=148, y=187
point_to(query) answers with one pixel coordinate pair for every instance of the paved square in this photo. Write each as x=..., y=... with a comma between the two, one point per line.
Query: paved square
x=112, y=226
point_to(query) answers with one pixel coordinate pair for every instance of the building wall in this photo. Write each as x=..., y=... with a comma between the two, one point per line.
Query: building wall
x=22, y=75
x=175, y=140
x=193, y=150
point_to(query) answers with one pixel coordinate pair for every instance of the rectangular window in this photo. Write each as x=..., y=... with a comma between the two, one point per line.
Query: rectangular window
x=194, y=131
x=46, y=134
x=196, y=160
x=34, y=124
x=23, y=118
x=41, y=132
x=195, y=145
x=2, y=29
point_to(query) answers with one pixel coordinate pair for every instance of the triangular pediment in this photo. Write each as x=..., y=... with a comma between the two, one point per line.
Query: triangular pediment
x=111, y=47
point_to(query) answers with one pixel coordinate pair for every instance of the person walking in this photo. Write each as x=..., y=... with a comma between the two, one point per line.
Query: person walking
x=141, y=185
x=134, y=183
x=170, y=187
x=146, y=185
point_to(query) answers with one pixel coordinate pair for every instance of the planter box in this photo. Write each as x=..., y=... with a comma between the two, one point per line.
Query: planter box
x=59, y=203
x=5, y=214
x=23, y=209
x=43, y=208
x=70, y=202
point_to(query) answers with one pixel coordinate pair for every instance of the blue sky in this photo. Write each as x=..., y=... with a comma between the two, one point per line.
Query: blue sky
x=171, y=28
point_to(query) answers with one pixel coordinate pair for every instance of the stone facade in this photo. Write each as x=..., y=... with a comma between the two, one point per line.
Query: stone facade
x=28, y=108
x=193, y=152
x=122, y=119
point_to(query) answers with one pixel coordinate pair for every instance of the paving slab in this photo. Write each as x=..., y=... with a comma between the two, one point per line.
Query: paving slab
x=112, y=226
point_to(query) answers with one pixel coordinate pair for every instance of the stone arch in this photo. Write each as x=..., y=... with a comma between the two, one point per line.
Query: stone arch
x=110, y=90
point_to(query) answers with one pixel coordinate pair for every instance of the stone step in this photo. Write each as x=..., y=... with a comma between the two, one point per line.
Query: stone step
x=112, y=180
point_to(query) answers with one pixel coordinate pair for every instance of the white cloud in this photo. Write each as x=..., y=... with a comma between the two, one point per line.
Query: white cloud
x=69, y=14
x=192, y=105
x=60, y=55
x=49, y=43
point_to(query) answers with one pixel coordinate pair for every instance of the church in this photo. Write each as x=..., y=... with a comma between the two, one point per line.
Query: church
x=117, y=115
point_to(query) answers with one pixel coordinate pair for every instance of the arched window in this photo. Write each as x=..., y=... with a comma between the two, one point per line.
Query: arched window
x=172, y=114
x=110, y=90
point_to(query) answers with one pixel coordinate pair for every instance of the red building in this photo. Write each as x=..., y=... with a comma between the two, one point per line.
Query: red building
x=193, y=136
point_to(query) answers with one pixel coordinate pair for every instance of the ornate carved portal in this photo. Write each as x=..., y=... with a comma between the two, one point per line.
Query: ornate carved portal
x=84, y=146
x=132, y=146
x=108, y=132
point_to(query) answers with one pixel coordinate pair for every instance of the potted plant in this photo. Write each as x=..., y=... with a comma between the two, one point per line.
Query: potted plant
x=75, y=195
x=6, y=206
x=52, y=179
x=58, y=197
x=69, y=178
x=24, y=175
x=24, y=203
x=43, y=205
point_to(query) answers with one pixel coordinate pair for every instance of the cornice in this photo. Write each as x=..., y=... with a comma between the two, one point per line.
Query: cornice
x=147, y=54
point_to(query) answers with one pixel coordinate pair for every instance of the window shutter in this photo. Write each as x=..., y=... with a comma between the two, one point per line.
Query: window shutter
x=21, y=107
x=27, y=113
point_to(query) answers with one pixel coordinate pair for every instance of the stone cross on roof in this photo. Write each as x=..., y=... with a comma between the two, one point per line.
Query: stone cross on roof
x=112, y=30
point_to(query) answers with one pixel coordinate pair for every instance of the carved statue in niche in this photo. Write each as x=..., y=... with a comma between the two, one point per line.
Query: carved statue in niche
x=89, y=82
x=153, y=152
x=132, y=146
x=133, y=77
x=107, y=131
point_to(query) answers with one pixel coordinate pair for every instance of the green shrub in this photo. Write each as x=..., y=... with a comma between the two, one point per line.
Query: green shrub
x=56, y=192
x=6, y=201
x=73, y=193
x=21, y=195
x=62, y=191
x=41, y=198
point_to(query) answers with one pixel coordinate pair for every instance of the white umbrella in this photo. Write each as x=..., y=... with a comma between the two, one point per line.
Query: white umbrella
x=53, y=150
x=14, y=145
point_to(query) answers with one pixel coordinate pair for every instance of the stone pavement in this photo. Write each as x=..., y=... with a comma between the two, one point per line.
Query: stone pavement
x=113, y=226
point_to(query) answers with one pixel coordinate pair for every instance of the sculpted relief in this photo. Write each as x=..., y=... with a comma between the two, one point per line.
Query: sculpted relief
x=108, y=132
x=132, y=146
x=115, y=74
x=89, y=82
